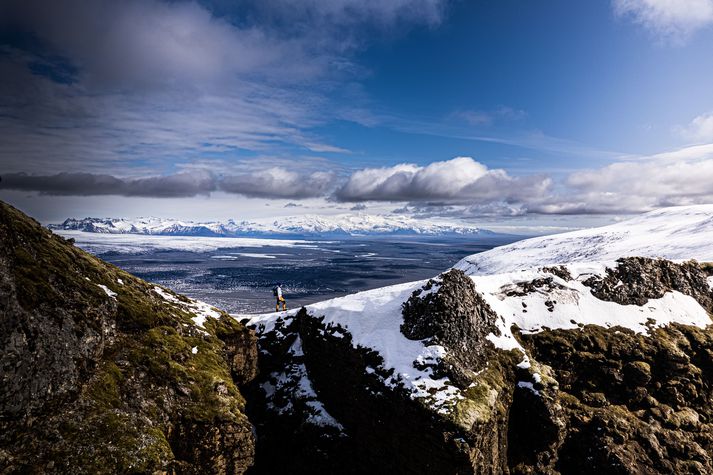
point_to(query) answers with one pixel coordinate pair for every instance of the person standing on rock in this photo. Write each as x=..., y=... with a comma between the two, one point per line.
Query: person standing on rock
x=277, y=292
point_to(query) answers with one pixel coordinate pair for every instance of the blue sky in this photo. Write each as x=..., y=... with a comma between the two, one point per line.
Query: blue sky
x=510, y=113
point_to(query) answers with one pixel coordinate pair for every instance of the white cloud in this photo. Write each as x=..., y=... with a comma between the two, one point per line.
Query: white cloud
x=463, y=187
x=502, y=113
x=700, y=129
x=678, y=178
x=457, y=188
x=461, y=179
x=141, y=43
x=673, y=20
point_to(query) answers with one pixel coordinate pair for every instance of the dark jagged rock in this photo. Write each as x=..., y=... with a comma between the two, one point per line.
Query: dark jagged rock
x=560, y=271
x=635, y=280
x=101, y=373
x=241, y=353
x=448, y=311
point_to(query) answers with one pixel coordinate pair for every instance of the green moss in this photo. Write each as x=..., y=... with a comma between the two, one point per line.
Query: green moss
x=205, y=376
x=224, y=326
x=477, y=407
x=212, y=390
x=157, y=349
x=483, y=399
x=105, y=388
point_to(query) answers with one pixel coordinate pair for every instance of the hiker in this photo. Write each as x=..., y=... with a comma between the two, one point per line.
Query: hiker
x=277, y=292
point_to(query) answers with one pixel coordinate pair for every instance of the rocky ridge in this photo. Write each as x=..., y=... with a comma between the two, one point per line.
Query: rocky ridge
x=626, y=394
x=105, y=373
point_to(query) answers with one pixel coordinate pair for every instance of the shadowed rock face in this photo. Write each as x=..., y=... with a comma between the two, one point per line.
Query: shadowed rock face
x=382, y=429
x=101, y=374
x=631, y=403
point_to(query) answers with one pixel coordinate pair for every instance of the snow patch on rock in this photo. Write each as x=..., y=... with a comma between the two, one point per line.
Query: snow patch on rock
x=108, y=291
x=200, y=309
x=295, y=381
x=570, y=304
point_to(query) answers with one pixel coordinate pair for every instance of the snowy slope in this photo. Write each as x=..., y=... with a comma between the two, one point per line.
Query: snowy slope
x=373, y=318
x=305, y=225
x=684, y=232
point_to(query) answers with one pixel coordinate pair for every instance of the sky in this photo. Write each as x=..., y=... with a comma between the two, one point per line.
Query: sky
x=515, y=114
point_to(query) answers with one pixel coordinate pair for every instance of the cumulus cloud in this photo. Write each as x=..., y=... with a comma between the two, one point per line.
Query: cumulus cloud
x=700, y=129
x=465, y=188
x=460, y=187
x=461, y=179
x=670, y=19
x=271, y=183
x=680, y=178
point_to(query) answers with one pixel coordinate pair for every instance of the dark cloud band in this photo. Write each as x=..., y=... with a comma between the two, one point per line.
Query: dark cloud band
x=272, y=183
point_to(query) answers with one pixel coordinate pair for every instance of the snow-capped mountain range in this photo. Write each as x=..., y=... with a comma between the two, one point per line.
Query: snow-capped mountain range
x=290, y=226
x=682, y=232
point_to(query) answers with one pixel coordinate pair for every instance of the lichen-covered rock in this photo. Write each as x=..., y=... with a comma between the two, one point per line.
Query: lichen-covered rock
x=102, y=372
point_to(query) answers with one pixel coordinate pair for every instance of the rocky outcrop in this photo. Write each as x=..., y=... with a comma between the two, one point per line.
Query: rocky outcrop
x=105, y=373
x=448, y=311
x=635, y=280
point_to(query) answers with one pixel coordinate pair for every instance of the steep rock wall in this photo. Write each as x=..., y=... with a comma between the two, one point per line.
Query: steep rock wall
x=105, y=373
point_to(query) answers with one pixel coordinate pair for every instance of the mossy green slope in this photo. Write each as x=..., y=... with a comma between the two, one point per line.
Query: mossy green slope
x=103, y=373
